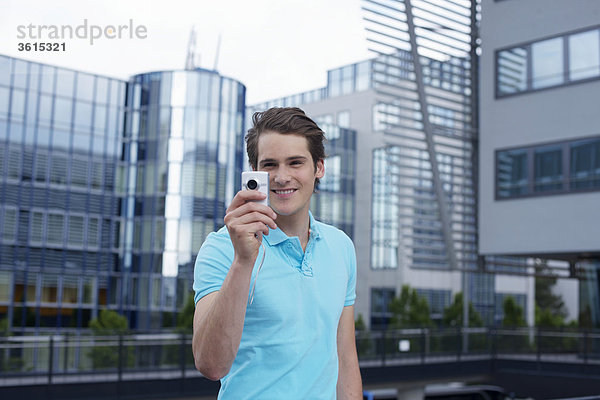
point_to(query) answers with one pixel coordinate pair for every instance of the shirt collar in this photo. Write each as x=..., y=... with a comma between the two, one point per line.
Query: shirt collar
x=277, y=236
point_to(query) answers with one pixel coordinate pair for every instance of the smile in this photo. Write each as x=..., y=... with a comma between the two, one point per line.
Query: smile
x=286, y=191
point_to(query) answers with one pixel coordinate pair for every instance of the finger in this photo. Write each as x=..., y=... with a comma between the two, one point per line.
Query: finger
x=249, y=208
x=252, y=217
x=260, y=229
x=241, y=233
x=244, y=196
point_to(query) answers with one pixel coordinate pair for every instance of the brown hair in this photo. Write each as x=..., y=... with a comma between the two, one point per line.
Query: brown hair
x=285, y=120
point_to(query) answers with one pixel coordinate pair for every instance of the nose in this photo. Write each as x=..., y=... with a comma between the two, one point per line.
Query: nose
x=281, y=176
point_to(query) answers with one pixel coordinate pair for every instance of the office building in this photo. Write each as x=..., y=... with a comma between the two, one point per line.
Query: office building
x=108, y=188
x=414, y=111
x=539, y=164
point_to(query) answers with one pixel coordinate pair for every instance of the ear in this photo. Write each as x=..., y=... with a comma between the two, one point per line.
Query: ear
x=320, y=169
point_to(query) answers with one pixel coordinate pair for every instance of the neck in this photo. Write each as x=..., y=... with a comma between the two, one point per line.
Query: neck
x=295, y=225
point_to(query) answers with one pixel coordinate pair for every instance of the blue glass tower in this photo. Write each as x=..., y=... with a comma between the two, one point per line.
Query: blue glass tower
x=108, y=188
x=60, y=139
x=181, y=163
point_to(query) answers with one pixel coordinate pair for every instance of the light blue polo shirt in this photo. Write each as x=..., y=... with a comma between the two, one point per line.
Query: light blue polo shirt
x=288, y=348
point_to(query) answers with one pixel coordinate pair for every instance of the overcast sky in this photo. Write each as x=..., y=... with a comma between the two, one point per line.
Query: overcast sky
x=274, y=47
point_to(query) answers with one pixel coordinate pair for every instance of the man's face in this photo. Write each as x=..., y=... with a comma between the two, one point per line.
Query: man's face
x=291, y=171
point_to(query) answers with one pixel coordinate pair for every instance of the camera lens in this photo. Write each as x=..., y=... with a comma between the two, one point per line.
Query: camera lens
x=252, y=184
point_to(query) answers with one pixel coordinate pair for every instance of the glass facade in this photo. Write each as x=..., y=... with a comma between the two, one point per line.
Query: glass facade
x=405, y=205
x=341, y=81
x=60, y=139
x=437, y=299
x=589, y=294
x=561, y=60
x=334, y=201
x=108, y=188
x=381, y=315
x=385, y=218
x=181, y=138
x=564, y=167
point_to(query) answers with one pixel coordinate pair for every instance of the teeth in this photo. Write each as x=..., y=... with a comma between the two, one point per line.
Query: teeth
x=284, y=191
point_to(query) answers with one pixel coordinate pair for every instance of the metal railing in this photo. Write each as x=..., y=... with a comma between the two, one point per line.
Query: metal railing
x=83, y=358
x=434, y=345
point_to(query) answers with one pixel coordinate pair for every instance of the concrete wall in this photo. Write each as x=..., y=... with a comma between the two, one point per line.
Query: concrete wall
x=568, y=223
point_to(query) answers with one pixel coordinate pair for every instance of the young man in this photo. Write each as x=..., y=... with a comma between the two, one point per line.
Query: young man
x=293, y=337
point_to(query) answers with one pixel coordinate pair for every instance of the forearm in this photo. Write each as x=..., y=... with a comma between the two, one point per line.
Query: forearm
x=218, y=327
x=349, y=384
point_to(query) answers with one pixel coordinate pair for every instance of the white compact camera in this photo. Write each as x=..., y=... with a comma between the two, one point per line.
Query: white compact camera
x=256, y=180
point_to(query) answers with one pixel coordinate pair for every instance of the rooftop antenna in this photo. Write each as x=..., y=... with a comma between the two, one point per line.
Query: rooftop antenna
x=217, y=52
x=192, y=56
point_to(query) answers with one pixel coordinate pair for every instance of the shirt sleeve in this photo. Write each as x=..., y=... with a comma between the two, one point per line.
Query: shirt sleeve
x=351, y=286
x=212, y=264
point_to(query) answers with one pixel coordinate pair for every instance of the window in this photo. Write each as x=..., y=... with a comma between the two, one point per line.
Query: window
x=49, y=288
x=332, y=179
x=547, y=63
x=512, y=70
x=5, y=277
x=542, y=64
x=75, y=230
x=585, y=164
x=512, y=173
x=37, y=227
x=385, y=211
x=334, y=82
x=4, y=101
x=5, y=70
x=45, y=116
x=58, y=169
x=85, y=87
x=69, y=289
x=343, y=119
x=63, y=112
x=55, y=229
x=79, y=169
x=584, y=55
x=65, y=81
x=564, y=167
x=83, y=116
x=9, y=225
x=41, y=165
x=380, y=307
x=17, y=109
x=548, y=169
x=48, y=77
x=363, y=75
x=437, y=299
x=347, y=79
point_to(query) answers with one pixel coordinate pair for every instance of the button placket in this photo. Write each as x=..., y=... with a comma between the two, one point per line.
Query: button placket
x=307, y=259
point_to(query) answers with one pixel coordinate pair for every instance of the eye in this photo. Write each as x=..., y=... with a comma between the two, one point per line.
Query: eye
x=296, y=162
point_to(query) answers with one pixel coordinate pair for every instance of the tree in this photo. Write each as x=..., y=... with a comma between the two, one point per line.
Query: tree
x=4, y=327
x=363, y=339
x=453, y=315
x=550, y=310
x=359, y=324
x=185, y=318
x=545, y=318
x=409, y=310
x=513, y=313
x=109, y=323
